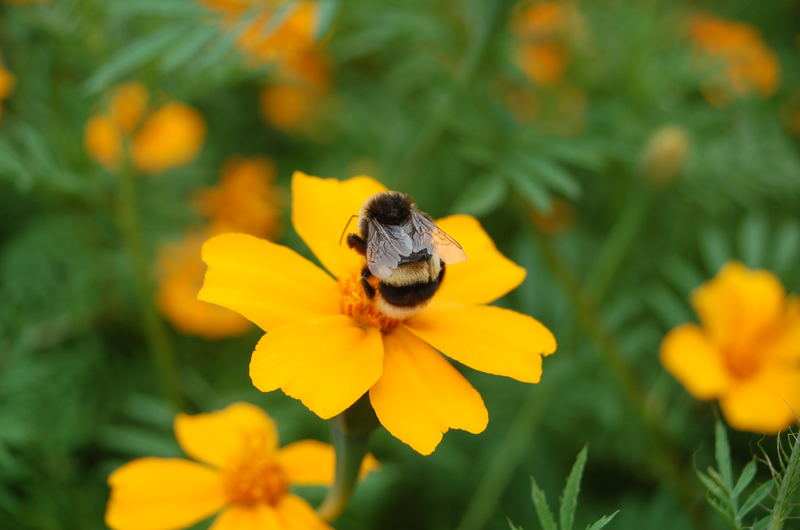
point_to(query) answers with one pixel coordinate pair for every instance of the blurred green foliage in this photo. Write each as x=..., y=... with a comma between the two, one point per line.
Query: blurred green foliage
x=416, y=101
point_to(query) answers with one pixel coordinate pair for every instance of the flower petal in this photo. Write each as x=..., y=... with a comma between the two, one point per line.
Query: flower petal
x=486, y=275
x=738, y=304
x=296, y=514
x=321, y=208
x=490, y=339
x=162, y=493
x=218, y=437
x=768, y=403
x=251, y=517
x=310, y=462
x=689, y=355
x=420, y=396
x=326, y=363
x=266, y=283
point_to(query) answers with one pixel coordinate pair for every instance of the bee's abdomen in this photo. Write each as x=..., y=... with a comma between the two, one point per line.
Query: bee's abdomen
x=412, y=294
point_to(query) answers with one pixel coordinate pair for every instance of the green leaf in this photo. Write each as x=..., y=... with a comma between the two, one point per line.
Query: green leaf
x=543, y=512
x=714, y=248
x=712, y=486
x=135, y=55
x=189, y=48
x=787, y=244
x=745, y=478
x=602, y=522
x=481, y=195
x=531, y=191
x=512, y=526
x=326, y=13
x=569, y=497
x=723, y=511
x=722, y=452
x=753, y=240
x=167, y=8
x=756, y=497
x=553, y=174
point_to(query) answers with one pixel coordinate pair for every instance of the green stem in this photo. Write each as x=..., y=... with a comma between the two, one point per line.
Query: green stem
x=350, y=432
x=161, y=353
x=668, y=461
x=619, y=242
x=469, y=68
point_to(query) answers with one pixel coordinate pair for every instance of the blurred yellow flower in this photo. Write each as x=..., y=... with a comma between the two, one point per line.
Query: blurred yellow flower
x=240, y=472
x=181, y=277
x=288, y=103
x=169, y=137
x=746, y=353
x=245, y=199
x=7, y=82
x=735, y=53
x=327, y=343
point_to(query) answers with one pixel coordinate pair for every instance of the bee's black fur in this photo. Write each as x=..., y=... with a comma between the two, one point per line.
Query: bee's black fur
x=412, y=294
x=369, y=289
x=392, y=208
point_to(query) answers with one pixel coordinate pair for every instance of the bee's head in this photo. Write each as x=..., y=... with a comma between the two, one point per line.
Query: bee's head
x=389, y=207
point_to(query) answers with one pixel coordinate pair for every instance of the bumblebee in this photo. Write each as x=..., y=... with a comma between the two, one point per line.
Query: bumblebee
x=405, y=251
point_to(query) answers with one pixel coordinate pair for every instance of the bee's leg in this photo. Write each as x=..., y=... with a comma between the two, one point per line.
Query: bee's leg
x=357, y=243
x=365, y=275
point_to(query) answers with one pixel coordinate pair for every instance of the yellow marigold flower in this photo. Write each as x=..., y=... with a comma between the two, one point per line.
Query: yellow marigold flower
x=245, y=199
x=736, y=53
x=542, y=30
x=327, y=344
x=7, y=82
x=128, y=105
x=171, y=136
x=746, y=353
x=241, y=472
x=288, y=103
x=103, y=140
x=181, y=277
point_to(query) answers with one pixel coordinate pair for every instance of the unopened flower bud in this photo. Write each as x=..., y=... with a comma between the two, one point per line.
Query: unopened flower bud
x=665, y=154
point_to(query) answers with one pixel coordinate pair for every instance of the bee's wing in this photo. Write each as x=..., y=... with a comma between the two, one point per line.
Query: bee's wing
x=385, y=248
x=427, y=236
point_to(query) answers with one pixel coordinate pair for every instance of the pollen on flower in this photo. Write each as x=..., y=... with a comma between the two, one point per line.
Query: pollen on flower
x=255, y=477
x=357, y=304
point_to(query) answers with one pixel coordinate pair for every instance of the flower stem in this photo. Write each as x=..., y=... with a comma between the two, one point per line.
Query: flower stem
x=161, y=353
x=350, y=432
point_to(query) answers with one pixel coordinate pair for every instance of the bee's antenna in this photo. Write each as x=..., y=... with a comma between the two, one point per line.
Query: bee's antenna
x=345, y=227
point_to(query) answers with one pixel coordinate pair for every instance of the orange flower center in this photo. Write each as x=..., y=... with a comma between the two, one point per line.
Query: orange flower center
x=357, y=304
x=741, y=363
x=255, y=477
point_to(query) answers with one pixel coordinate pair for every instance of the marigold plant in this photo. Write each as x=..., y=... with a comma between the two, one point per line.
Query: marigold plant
x=327, y=344
x=238, y=470
x=745, y=353
x=735, y=52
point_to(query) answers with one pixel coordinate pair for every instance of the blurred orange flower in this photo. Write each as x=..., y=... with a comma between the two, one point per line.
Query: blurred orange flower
x=245, y=199
x=543, y=31
x=737, y=57
x=169, y=137
x=746, y=353
x=284, y=34
x=328, y=343
x=288, y=102
x=7, y=82
x=240, y=471
x=181, y=277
